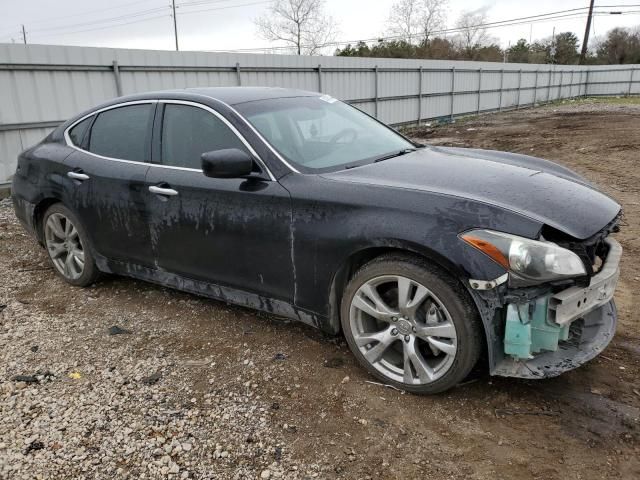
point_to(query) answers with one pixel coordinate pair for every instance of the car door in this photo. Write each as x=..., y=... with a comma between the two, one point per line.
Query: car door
x=234, y=231
x=105, y=180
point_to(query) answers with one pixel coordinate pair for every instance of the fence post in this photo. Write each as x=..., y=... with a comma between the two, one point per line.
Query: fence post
x=320, y=78
x=501, y=88
x=549, y=87
x=571, y=87
x=238, y=74
x=453, y=90
x=376, y=89
x=116, y=76
x=586, y=84
x=479, y=88
x=560, y=87
x=535, y=89
x=519, y=88
x=630, y=82
x=420, y=95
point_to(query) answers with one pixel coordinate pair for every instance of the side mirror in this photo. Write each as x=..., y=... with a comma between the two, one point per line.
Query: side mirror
x=228, y=163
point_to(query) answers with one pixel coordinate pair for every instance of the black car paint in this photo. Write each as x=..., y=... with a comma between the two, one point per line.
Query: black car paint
x=288, y=246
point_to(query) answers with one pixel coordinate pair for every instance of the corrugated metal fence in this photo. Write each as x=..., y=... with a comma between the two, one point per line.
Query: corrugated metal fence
x=41, y=86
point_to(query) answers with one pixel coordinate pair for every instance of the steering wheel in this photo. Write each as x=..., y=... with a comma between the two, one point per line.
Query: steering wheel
x=348, y=133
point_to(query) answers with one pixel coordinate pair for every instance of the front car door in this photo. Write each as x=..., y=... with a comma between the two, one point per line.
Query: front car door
x=231, y=232
x=105, y=180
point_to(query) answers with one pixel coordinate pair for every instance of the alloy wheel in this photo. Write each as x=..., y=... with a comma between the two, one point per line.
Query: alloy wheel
x=64, y=246
x=403, y=330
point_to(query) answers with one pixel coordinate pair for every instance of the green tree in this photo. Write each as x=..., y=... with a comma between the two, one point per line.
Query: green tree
x=620, y=46
x=566, y=49
x=519, y=53
x=563, y=49
x=488, y=53
x=439, y=49
x=361, y=49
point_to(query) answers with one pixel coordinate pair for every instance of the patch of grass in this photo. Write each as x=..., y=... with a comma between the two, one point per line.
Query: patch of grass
x=615, y=100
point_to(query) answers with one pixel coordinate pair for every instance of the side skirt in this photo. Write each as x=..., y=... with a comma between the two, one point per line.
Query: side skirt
x=211, y=290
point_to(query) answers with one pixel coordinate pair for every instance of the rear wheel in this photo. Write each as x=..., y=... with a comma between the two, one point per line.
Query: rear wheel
x=66, y=243
x=411, y=325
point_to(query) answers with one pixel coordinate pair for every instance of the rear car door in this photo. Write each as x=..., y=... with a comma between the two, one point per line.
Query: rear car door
x=234, y=232
x=105, y=180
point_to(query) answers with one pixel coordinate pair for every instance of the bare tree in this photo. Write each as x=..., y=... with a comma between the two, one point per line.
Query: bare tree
x=473, y=33
x=417, y=19
x=303, y=25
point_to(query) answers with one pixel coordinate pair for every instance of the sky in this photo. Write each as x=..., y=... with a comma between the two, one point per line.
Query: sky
x=229, y=24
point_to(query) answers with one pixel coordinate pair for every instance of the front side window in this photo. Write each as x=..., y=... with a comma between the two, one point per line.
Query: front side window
x=123, y=133
x=320, y=133
x=188, y=132
x=77, y=133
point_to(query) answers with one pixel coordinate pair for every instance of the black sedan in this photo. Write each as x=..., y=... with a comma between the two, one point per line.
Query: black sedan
x=426, y=259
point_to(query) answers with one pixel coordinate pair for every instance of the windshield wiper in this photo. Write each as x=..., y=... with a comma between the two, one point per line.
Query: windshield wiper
x=395, y=154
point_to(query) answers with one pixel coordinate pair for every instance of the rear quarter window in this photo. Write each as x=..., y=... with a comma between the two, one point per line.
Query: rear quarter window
x=78, y=133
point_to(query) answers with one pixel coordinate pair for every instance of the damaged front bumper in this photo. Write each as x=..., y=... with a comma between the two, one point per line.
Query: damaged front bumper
x=542, y=333
x=586, y=338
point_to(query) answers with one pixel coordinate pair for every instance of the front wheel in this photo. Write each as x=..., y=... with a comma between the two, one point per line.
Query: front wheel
x=67, y=245
x=411, y=325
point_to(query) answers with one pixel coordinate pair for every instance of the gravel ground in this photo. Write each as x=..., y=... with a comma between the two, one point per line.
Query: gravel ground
x=84, y=398
x=131, y=380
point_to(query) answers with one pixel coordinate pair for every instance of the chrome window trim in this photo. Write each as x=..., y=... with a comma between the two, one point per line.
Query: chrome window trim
x=259, y=135
x=70, y=144
x=228, y=124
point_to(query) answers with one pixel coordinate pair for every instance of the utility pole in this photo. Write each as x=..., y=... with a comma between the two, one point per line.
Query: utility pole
x=585, y=42
x=24, y=35
x=175, y=25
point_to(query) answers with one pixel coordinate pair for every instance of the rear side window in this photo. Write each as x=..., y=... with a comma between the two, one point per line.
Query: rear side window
x=123, y=133
x=188, y=132
x=77, y=133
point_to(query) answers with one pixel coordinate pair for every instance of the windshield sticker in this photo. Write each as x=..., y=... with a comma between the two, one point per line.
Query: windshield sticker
x=328, y=99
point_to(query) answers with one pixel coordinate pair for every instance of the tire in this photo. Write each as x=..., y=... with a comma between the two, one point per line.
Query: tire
x=396, y=341
x=67, y=245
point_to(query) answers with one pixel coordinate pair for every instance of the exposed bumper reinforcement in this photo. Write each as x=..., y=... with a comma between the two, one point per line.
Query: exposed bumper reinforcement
x=575, y=302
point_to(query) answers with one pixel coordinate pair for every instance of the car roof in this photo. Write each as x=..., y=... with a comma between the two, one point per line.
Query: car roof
x=226, y=95
x=236, y=95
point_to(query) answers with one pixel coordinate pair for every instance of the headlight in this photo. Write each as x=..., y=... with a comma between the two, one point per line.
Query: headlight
x=529, y=259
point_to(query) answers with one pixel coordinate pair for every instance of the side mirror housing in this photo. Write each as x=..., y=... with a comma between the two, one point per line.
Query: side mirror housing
x=227, y=163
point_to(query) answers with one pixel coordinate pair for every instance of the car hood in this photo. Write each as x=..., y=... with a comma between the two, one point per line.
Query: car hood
x=536, y=188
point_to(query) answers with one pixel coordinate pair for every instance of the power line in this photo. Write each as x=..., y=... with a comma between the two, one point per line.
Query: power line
x=436, y=32
x=117, y=19
x=104, y=26
x=202, y=2
x=185, y=9
x=225, y=8
x=89, y=12
x=564, y=14
x=105, y=20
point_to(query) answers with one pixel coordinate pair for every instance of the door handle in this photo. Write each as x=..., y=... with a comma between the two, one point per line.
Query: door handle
x=78, y=176
x=163, y=191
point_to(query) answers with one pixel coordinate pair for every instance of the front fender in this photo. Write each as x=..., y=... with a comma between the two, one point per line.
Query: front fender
x=333, y=221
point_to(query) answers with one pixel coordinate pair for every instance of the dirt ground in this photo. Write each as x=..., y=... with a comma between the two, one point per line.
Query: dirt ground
x=315, y=411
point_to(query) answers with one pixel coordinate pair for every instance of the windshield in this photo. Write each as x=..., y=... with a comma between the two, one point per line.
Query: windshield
x=321, y=134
